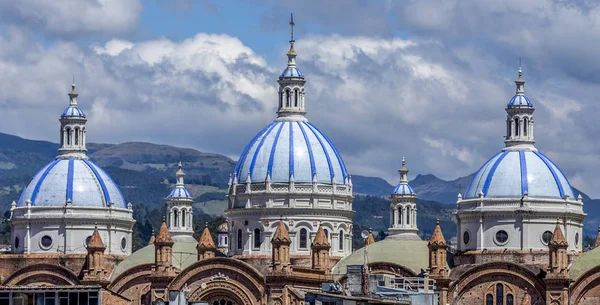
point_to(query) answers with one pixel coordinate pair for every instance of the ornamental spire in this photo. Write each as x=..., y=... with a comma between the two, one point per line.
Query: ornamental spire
x=520, y=82
x=72, y=129
x=291, y=86
x=180, y=174
x=403, y=172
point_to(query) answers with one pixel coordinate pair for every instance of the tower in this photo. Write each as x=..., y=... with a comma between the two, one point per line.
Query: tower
x=95, y=272
x=72, y=129
x=320, y=251
x=557, y=278
x=291, y=86
x=280, y=242
x=163, y=250
x=206, y=246
x=179, y=210
x=403, y=209
x=438, y=267
x=519, y=119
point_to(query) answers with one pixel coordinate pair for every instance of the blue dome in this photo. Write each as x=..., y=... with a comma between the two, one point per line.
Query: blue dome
x=291, y=72
x=73, y=111
x=519, y=100
x=403, y=189
x=283, y=148
x=81, y=181
x=179, y=192
x=511, y=173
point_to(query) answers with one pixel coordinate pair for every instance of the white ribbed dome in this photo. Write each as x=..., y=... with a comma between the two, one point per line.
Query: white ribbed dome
x=78, y=180
x=289, y=148
x=512, y=173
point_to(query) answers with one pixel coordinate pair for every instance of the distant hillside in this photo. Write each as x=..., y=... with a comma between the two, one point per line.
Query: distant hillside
x=430, y=187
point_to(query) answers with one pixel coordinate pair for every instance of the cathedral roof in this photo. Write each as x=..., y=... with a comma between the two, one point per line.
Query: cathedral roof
x=410, y=254
x=320, y=240
x=179, y=191
x=291, y=72
x=403, y=188
x=73, y=110
x=206, y=241
x=287, y=150
x=79, y=181
x=519, y=100
x=164, y=237
x=514, y=173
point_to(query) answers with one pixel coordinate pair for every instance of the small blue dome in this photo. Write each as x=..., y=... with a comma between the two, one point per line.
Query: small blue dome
x=283, y=148
x=80, y=180
x=519, y=100
x=179, y=192
x=403, y=189
x=511, y=173
x=73, y=111
x=291, y=72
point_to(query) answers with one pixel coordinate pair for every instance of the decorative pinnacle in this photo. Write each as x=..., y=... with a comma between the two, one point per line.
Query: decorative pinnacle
x=437, y=221
x=520, y=82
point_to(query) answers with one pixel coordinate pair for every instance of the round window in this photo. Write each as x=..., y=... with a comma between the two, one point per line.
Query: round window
x=123, y=243
x=501, y=237
x=46, y=242
x=546, y=237
x=576, y=239
x=466, y=238
x=17, y=242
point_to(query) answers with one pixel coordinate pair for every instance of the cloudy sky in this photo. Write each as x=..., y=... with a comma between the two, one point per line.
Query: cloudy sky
x=428, y=79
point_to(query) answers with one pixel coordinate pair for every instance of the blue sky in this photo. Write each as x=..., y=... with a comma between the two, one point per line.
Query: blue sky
x=428, y=80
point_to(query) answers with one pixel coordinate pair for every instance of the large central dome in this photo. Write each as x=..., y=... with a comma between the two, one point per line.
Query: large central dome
x=291, y=148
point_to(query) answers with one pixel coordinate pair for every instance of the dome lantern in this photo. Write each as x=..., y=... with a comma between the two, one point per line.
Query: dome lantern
x=519, y=120
x=403, y=209
x=72, y=129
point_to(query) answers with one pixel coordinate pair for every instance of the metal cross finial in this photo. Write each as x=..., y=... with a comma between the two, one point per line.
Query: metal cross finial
x=292, y=26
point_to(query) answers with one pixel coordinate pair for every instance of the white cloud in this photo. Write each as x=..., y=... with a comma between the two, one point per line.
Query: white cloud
x=73, y=17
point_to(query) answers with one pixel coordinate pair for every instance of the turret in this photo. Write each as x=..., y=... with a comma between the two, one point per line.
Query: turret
x=437, y=252
x=95, y=272
x=179, y=210
x=403, y=209
x=370, y=238
x=320, y=251
x=280, y=258
x=163, y=249
x=206, y=246
x=519, y=120
x=72, y=129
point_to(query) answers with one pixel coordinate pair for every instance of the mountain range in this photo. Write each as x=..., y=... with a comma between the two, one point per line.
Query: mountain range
x=146, y=173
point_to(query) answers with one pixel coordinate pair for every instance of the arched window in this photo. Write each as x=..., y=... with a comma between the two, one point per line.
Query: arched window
x=407, y=215
x=295, y=98
x=510, y=300
x=183, y=218
x=326, y=233
x=287, y=97
x=525, y=126
x=76, y=136
x=239, y=239
x=303, y=238
x=256, y=238
x=499, y=294
x=516, y=126
x=489, y=299
x=68, y=136
x=176, y=220
x=341, y=241
x=280, y=99
x=226, y=241
x=508, y=130
x=400, y=215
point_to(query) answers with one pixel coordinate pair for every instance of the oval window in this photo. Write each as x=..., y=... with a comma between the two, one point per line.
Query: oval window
x=17, y=242
x=123, y=243
x=46, y=242
x=546, y=237
x=466, y=238
x=501, y=237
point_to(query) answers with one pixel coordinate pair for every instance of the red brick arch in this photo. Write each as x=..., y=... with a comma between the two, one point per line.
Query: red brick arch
x=586, y=289
x=222, y=277
x=42, y=274
x=474, y=283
